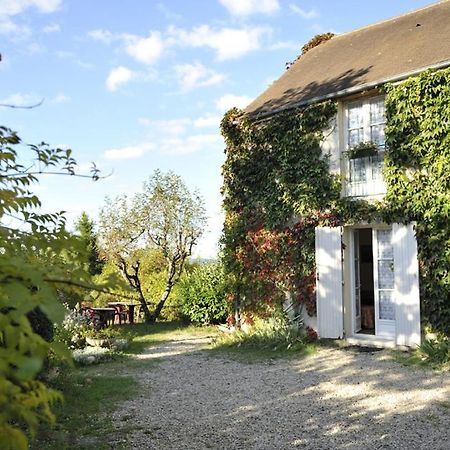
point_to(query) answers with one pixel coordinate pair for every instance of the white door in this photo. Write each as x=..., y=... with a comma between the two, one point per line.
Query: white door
x=406, y=285
x=384, y=276
x=357, y=283
x=329, y=282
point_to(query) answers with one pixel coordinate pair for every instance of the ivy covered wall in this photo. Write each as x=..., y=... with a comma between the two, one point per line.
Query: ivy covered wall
x=277, y=188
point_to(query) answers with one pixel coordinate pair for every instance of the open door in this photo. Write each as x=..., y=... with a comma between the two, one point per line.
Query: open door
x=384, y=275
x=357, y=283
x=329, y=282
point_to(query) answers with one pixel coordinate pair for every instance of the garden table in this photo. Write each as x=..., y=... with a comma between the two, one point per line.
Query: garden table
x=130, y=307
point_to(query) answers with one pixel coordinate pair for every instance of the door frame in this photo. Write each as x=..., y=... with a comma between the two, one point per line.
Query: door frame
x=352, y=276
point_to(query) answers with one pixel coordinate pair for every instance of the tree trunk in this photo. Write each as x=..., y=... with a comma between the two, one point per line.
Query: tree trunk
x=135, y=283
x=171, y=278
x=157, y=311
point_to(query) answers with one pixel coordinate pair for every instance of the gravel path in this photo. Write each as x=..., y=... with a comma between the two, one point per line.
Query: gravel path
x=335, y=399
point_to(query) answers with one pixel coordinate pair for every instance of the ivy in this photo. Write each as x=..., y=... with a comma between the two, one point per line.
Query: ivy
x=418, y=179
x=274, y=172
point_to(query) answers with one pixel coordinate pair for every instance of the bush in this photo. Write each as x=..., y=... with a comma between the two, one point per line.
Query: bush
x=73, y=329
x=202, y=295
x=279, y=333
x=435, y=351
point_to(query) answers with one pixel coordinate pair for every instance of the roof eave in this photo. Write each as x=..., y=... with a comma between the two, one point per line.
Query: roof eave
x=348, y=91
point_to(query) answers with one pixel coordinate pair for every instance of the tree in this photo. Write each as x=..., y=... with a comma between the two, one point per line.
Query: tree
x=37, y=257
x=165, y=216
x=85, y=228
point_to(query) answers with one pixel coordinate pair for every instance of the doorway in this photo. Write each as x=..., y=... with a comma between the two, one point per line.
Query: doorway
x=373, y=282
x=364, y=282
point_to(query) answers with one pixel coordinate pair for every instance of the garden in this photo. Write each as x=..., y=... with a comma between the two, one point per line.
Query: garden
x=86, y=316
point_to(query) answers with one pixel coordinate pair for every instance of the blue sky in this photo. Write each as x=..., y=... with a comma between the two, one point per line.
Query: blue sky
x=138, y=85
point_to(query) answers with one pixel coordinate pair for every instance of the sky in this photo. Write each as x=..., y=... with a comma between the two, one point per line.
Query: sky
x=140, y=85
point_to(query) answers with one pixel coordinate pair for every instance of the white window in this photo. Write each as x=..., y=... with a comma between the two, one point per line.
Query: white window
x=364, y=124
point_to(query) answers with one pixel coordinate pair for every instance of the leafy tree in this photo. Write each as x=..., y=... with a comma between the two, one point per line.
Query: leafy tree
x=85, y=228
x=202, y=294
x=37, y=257
x=165, y=216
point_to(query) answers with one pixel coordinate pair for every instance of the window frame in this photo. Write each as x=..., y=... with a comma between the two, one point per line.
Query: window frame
x=373, y=183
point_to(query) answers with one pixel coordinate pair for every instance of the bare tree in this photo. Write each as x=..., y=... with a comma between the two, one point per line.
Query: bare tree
x=166, y=216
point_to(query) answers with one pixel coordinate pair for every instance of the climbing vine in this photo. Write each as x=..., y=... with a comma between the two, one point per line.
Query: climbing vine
x=417, y=172
x=277, y=188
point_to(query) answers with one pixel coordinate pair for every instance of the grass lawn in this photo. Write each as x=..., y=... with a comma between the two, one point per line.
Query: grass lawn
x=82, y=419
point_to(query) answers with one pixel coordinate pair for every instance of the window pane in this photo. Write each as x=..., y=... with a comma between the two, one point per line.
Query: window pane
x=385, y=274
x=387, y=308
x=355, y=136
x=377, y=134
x=358, y=169
x=385, y=249
x=355, y=116
x=377, y=166
x=377, y=111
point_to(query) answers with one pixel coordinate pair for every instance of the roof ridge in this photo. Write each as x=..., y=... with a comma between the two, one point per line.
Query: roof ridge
x=371, y=25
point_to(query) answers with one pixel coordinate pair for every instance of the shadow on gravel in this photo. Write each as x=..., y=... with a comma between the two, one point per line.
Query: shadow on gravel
x=337, y=399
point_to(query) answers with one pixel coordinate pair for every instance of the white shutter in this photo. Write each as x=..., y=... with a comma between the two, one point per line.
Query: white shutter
x=406, y=289
x=329, y=282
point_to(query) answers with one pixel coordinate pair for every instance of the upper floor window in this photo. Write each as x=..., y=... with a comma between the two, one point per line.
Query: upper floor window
x=364, y=142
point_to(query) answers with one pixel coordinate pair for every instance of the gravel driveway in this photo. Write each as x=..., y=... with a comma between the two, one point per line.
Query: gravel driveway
x=335, y=399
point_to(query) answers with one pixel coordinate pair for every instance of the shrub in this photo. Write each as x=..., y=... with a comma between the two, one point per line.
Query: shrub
x=202, y=295
x=276, y=333
x=73, y=329
x=435, y=351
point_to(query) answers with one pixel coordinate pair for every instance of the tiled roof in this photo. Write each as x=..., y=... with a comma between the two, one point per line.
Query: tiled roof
x=361, y=59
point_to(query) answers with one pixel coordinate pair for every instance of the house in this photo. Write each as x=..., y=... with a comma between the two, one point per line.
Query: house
x=367, y=271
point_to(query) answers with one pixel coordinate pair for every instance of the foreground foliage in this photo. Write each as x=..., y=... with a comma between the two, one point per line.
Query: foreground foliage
x=37, y=259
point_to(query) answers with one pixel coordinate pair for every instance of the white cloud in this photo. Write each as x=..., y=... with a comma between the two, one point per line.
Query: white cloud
x=196, y=75
x=14, y=7
x=8, y=27
x=228, y=43
x=20, y=99
x=145, y=50
x=188, y=144
x=173, y=137
x=60, y=98
x=131, y=152
x=229, y=101
x=119, y=76
x=52, y=28
x=207, y=121
x=311, y=14
x=104, y=36
x=248, y=7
